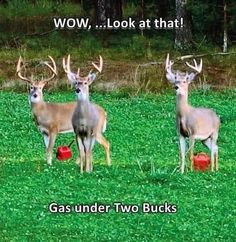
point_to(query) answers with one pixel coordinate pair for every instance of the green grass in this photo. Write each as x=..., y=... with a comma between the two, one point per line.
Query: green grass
x=142, y=133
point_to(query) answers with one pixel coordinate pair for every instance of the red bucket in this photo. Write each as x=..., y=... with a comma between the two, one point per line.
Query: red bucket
x=201, y=162
x=63, y=153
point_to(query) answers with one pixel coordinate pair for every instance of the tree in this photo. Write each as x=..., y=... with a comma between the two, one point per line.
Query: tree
x=183, y=37
x=108, y=9
x=101, y=11
x=114, y=9
x=225, y=38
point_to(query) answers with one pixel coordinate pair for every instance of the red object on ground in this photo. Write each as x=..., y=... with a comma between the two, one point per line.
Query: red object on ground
x=201, y=162
x=63, y=153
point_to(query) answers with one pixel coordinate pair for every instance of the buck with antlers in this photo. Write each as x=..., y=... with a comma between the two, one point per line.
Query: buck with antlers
x=87, y=118
x=51, y=118
x=196, y=123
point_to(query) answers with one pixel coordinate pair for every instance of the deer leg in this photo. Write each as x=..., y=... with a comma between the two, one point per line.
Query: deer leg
x=81, y=156
x=212, y=156
x=191, y=146
x=91, y=162
x=86, y=147
x=106, y=145
x=207, y=143
x=87, y=157
x=92, y=142
x=211, y=145
x=46, y=139
x=215, y=150
x=182, y=147
x=216, y=158
x=52, y=138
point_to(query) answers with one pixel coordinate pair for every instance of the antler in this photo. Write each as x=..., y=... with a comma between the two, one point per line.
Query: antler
x=52, y=68
x=18, y=71
x=169, y=63
x=99, y=69
x=169, y=75
x=196, y=67
x=66, y=66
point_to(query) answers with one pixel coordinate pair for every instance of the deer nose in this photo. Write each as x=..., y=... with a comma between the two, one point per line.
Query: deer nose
x=77, y=90
x=35, y=95
x=176, y=87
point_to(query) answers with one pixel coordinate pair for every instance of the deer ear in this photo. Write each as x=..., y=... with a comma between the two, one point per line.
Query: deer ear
x=91, y=78
x=170, y=77
x=190, y=77
x=72, y=78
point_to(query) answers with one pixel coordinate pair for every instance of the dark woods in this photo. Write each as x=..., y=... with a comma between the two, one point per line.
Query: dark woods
x=211, y=21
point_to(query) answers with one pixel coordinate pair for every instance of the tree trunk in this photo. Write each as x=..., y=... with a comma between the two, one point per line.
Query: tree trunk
x=183, y=37
x=142, y=13
x=108, y=9
x=114, y=9
x=101, y=12
x=225, y=40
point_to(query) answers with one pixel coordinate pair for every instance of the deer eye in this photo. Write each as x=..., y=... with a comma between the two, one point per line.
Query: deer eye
x=85, y=83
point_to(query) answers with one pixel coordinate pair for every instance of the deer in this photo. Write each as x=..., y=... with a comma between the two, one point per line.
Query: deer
x=53, y=118
x=85, y=119
x=195, y=123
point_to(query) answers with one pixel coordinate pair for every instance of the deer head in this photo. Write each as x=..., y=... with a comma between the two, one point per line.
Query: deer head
x=181, y=79
x=36, y=86
x=80, y=83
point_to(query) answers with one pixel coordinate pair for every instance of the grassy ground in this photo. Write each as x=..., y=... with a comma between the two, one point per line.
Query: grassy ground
x=141, y=130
